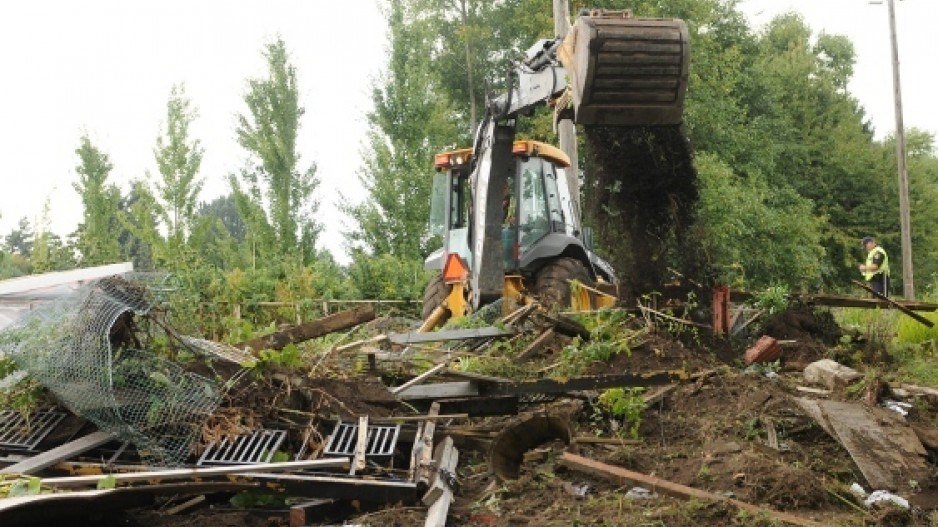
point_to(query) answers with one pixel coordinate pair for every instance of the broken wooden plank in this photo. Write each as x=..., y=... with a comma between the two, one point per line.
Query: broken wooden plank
x=884, y=447
x=445, y=459
x=194, y=473
x=440, y=495
x=440, y=390
x=821, y=299
x=535, y=345
x=311, y=330
x=415, y=450
x=361, y=446
x=592, y=440
x=405, y=339
x=567, y=326
x=186, y=505
x=417, y=418
x=59, y=453
x=425, y=457
x=676, y=490
x=474, y=376
x=359, y=343
x=919, y=318
x=419, y=379
x=303, y=514
x=372, y=490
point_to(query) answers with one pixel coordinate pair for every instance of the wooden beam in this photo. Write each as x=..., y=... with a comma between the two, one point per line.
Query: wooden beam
x=440, y=495
x=425, y=457
x=445, y=459
x=896, y=305
x=404, y=339
x=361, y=446
x=440, y=390
x=59, y=453
x=624, y=476
x=535, y=345
x=311, y=330
x=419, y=379
x=192, y=473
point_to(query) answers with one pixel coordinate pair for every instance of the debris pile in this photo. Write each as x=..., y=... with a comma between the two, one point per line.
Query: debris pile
x=611, y=417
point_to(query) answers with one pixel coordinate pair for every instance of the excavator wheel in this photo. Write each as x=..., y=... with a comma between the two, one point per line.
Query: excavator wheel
x=433, y=296
x=552, y=283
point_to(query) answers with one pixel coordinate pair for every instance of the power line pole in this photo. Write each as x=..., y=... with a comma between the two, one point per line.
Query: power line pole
x=908, y=286
x=566, y=130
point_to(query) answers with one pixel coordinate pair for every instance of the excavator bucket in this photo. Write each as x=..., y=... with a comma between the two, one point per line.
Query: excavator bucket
x=627, y=71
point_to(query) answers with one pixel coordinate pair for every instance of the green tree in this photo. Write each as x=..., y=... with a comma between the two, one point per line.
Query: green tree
x=178, y=158
x=409, y=124
x=96, y=237
x=275, y=197
x=20, y=239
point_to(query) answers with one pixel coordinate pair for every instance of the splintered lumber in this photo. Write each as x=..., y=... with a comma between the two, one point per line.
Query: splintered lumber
x=440, y=495
x=440, y=390
x=535, y=345
x=624, y=476
x=896, y=305
x=445, y=458
x=310, y=330
x=193, y=473
x=424, y=457
x=405, y=339
x=59, y=453
x=419, y=379
x=361, y=445
x=840, y=301
x=883, y=446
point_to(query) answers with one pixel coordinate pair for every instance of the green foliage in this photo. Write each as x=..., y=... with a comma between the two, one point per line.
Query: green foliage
x=626, y=404
x=911, y=331
x=772, y=299
x=274, y=195
x=96, y=237
x=411, y=121
x=288, y=357
x=388, y=277
x=178, y=158
x=767, y=237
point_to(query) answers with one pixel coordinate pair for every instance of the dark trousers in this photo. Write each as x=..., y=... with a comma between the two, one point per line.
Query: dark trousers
x=880, y=284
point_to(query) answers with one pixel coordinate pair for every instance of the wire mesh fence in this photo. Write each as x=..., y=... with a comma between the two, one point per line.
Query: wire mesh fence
x=89, y=350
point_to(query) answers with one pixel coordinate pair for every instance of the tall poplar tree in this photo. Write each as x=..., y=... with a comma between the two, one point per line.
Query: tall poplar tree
x=97, y=235
x=410, y=122
x=275, y=196
x=178, y=158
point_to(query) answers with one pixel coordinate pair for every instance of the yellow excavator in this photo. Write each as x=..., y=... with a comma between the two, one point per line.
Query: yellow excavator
x=509, y=224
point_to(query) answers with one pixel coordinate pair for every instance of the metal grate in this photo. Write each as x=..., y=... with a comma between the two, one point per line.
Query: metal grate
x=245, y=449
x=381, y=440
x=20, y=431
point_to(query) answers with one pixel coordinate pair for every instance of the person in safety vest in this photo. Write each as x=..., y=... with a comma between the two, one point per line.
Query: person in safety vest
x=876, y=269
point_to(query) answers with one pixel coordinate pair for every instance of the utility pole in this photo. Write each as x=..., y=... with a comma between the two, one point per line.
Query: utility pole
x=908, y=286
x=566, y=130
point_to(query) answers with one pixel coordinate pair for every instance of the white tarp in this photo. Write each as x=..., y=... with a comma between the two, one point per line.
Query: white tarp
x=19, y=295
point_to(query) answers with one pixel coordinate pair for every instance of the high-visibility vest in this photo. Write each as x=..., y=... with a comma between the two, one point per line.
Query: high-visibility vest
x=883, y=267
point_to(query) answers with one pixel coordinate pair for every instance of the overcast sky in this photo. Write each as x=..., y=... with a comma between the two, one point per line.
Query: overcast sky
x=105, y=68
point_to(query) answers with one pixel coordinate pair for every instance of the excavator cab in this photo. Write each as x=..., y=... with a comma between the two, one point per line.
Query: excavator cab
x=537, y=224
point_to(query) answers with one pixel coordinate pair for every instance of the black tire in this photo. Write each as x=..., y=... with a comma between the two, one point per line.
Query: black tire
x=433, y=295
x=552, y=283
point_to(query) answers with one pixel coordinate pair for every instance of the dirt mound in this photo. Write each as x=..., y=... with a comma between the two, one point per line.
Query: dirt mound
x=811, y=331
